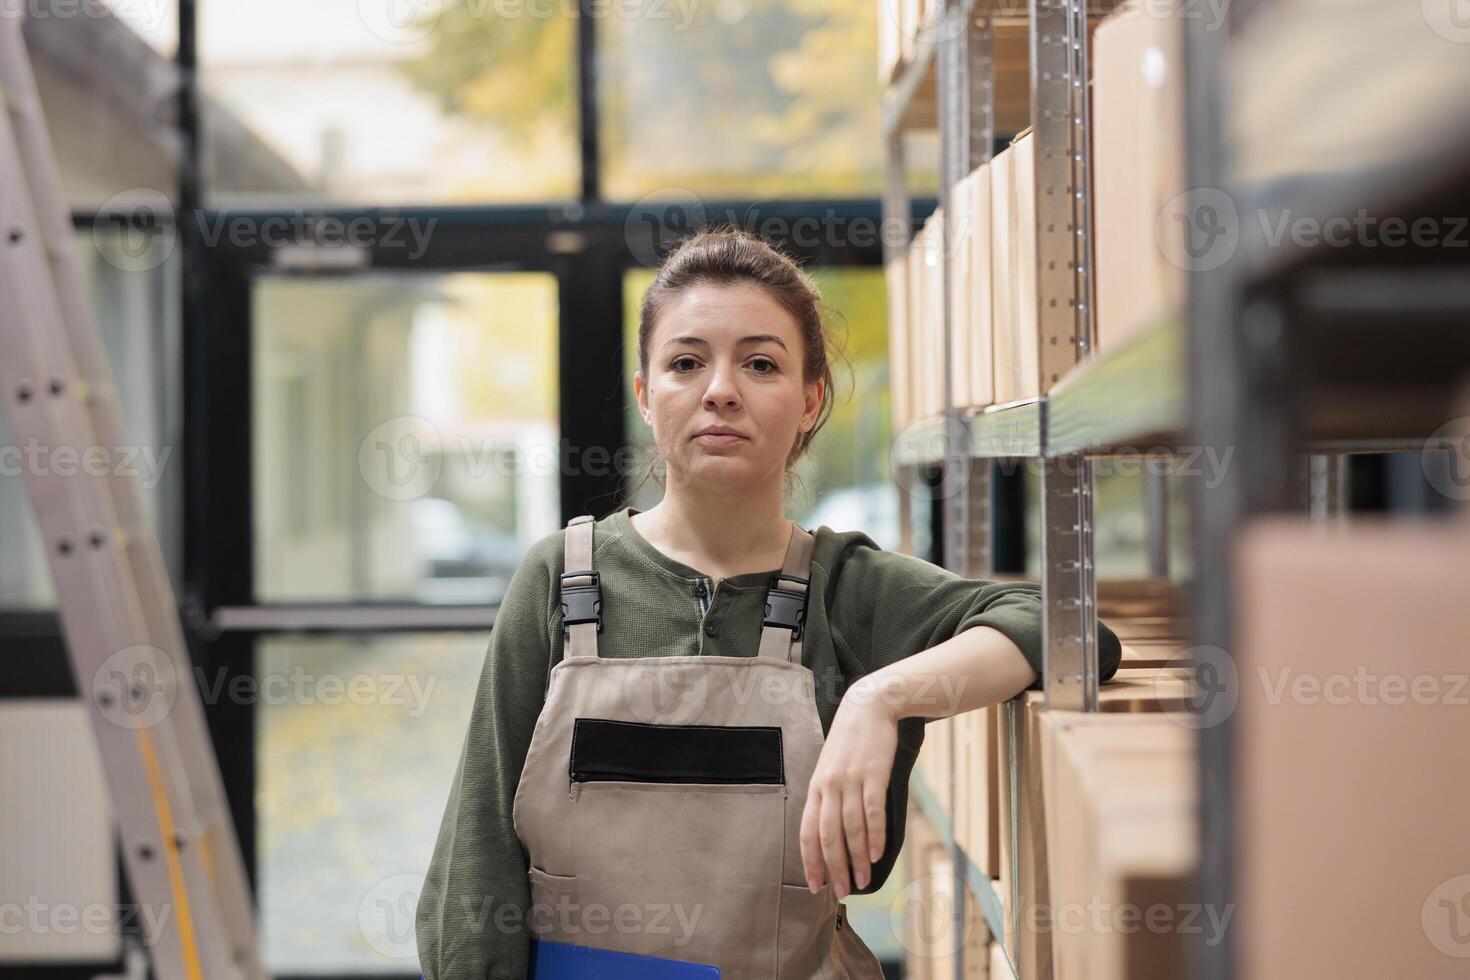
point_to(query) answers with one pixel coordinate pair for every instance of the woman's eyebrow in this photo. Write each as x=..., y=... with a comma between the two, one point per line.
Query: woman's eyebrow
x=752, y=339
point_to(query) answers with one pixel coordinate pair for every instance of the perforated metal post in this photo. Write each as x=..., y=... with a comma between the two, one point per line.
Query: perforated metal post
x=1070, y=626
x=1060, y=121
x=967, y=140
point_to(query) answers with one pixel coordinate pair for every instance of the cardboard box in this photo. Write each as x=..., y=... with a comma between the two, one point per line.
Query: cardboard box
x=1121, y=817
x=1000, y=969
x=1013, y=264
x=931, y=940
x=962, y=235
x=926, y=281
x=981, y=353
x=938, y=747
x=1017, y=346
x=917, y=319
x=976, y=951
x=1005, y=879
x=1138, y=168
x=933, y=363
x=1351, y=749
x=1144, y=692
x=900, y=339
x=1024, y=869
x=977, y=789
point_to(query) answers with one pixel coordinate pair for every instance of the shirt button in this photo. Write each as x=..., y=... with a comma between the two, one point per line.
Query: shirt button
x=709, y=629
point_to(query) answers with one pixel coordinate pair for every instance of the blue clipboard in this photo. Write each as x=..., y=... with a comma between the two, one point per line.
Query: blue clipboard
x=564, y=961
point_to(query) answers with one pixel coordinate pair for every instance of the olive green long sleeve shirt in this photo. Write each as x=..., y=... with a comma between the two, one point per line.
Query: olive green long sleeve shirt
x=866, y=608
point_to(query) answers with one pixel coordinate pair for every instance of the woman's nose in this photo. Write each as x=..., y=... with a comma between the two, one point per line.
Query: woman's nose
x=721, y=388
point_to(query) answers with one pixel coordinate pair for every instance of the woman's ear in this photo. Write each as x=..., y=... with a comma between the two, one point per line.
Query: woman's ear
x=640, y=395
x=814, y=392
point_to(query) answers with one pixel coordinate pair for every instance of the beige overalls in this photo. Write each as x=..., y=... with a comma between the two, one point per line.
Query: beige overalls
x=661, y=798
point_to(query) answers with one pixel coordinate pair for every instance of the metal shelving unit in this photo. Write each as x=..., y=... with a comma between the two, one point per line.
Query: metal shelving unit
x=1294, y=357
x=958, y=57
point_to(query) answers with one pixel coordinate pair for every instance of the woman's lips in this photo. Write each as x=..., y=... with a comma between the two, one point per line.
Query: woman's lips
x=718, y=439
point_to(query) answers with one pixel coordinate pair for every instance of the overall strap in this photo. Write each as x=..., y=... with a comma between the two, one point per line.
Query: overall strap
x=785, y=619
x=581, y=591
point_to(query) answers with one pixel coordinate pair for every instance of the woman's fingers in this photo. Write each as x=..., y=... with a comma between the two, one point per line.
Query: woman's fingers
x=811, y=843
x=834, y=843
x=875, y=793
x=855, y=825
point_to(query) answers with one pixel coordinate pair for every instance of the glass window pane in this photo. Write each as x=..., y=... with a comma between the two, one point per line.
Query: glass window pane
x=132, y=281
x=846, y=477
x=389, y=102
x=155, y=21
x=741, y=98
x=405, y=430
x=107, y=84
x=357, y=741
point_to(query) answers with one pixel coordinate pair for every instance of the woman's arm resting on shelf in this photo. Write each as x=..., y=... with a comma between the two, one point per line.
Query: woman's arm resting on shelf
x=844, y=815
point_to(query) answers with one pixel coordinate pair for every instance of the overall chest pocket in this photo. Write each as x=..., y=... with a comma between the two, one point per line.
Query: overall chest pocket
x=678, y=838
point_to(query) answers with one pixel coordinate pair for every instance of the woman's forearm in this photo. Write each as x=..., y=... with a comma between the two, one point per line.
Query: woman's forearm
x=974, y=668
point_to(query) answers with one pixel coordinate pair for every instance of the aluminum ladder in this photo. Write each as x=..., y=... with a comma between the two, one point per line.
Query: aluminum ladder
x=118, y=613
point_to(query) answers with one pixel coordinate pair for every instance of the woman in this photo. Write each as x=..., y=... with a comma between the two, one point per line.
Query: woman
x=695, y=725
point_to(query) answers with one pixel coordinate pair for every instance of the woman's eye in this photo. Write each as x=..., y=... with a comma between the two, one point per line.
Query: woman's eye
x=683, y=360
x=765, y=363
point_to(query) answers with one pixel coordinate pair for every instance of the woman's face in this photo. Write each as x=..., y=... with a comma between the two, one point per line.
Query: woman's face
x=726, y=356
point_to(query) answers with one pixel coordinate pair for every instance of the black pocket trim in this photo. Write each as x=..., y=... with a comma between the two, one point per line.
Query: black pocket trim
x=604, y=749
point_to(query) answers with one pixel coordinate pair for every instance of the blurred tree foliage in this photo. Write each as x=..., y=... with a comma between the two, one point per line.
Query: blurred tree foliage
x=727, y=97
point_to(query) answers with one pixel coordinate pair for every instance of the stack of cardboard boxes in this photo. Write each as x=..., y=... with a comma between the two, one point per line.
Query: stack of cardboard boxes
x=1141, y=234
x=1346, y=692
x=1076, y=851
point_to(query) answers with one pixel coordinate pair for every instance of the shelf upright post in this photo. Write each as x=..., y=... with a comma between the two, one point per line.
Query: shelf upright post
x=970, y=533
x=953, y=73
x=897, y=233
x=1060, y=123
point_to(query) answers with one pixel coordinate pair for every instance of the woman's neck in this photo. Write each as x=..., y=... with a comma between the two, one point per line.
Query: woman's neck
x=725, y=536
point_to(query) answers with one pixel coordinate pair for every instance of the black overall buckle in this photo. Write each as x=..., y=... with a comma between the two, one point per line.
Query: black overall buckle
x=581, y=603
x=785, y=607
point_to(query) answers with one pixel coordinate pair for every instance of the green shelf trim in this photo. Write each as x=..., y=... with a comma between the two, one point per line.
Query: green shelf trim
x=1010, y=431
x=1130, y=397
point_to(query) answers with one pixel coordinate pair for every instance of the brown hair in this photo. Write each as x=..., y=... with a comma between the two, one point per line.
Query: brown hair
x=727, y=256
